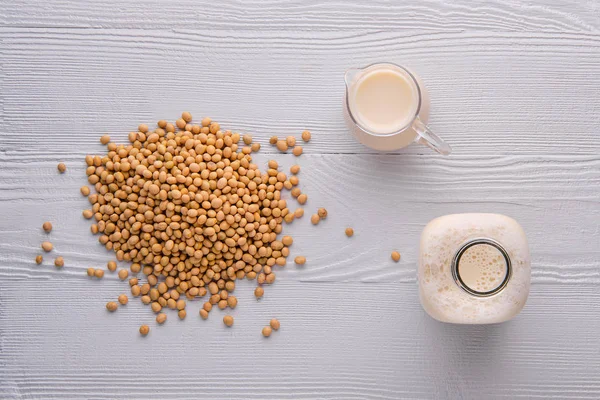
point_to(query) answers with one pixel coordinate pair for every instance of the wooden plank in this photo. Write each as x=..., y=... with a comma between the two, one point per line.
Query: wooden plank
x=337, y=340
x=308, y=15
x=492, y=93
x=387, y=199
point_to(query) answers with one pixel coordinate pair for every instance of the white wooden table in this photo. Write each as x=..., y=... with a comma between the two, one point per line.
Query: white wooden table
x=515, y=90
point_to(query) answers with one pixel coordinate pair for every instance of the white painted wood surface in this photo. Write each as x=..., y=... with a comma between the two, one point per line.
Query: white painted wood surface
x=514, y=89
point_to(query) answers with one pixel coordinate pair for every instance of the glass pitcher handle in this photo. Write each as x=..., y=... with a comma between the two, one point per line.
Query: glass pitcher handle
x=426, y=137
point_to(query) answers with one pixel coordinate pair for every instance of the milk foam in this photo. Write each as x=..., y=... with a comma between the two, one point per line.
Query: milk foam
x=482, y=268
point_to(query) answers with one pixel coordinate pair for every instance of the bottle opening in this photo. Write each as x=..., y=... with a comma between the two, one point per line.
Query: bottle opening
x=481, y=267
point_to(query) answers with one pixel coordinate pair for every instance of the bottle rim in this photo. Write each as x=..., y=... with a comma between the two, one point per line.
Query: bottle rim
x=456, y=261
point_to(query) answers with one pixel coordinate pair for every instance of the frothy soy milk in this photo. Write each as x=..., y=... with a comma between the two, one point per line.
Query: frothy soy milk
x=482, y=268
x=384, y=101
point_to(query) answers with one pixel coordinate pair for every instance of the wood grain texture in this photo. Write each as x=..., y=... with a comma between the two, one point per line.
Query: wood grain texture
x=514, y=88
x=337, y=340
x=310, y=15
x=493, y=92
x=387, y=199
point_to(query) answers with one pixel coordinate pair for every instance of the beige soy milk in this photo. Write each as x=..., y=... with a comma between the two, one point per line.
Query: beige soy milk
x=473, y=268
x=384, y=101
x=482, y=268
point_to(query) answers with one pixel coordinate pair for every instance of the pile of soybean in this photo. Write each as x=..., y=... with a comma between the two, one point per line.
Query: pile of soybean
x=187, y=207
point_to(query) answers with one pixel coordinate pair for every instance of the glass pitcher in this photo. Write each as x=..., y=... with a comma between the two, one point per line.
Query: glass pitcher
x=415, y=130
